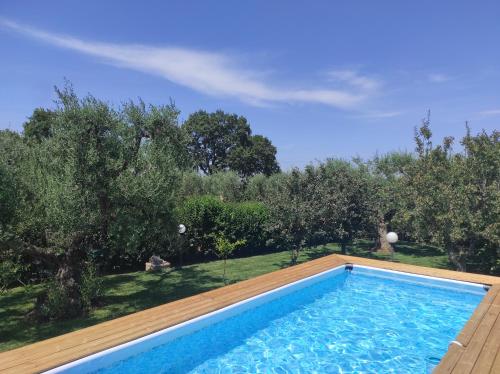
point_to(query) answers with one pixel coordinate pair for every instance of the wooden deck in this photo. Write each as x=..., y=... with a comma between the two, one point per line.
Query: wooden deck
x=478, y=353
x=478, y=350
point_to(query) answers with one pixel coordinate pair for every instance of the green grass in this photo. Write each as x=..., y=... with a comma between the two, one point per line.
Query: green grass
x=406, y=253
x=131, y=292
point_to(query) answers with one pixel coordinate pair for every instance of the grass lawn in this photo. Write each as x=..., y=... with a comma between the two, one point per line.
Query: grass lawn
x=131, y=292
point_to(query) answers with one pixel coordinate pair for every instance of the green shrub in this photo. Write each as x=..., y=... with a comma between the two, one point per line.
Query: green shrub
x=224, y=248
x=91, y=287
x=56, y=303
x=246, y=221
x=206, y=215
x=8, y=197
x=256, y=187
x=226, y=185
x=9, y=273
x=62, y=302
x=202, y=217
x=191, y=185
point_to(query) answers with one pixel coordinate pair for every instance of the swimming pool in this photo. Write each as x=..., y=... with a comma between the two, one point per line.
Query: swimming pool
x=359, y=320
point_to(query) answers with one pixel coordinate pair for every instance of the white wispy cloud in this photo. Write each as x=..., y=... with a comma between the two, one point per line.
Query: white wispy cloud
x=489, y=113
x=210, y=73
x=377, y=115
x=354, y=79
x=438, y=78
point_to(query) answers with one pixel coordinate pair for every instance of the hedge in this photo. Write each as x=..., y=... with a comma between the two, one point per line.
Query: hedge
x=205, y=216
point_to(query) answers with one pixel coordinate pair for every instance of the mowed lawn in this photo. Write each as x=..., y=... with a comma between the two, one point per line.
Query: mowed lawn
x=131, y=292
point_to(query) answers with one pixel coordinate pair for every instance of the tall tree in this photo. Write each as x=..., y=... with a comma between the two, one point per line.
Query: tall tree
x=102, y=186
x=39, y=125
x=321, y=204
x=455, y=198
x=338, y=194
x=8, y=200
x=222, y=141
x=291, y=214
x=258, y=157
x=388, y=196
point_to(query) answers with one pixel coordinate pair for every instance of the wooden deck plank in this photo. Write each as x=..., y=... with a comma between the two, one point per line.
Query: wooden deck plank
x=487, y=356
x=467, y=332
x=85, y=336
x=450, y=360
x=476, y=345
x=480, y=345
x=495, y=369
x=483, y=345
x=20, y=369
x=69, y=347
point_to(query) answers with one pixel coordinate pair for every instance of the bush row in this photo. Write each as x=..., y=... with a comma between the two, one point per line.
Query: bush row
x=205, y=216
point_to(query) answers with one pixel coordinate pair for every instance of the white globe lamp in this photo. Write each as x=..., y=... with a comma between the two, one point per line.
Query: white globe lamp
x=182, y=229
x=392, y=237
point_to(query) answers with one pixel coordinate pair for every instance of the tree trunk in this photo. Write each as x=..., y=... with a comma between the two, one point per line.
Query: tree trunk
x=105, y=212
x=343, y=248
x=181, y=258
x=457, y=259
x=68, y=277
x=224, y=275
x=181, y=250
x=295, y=255
x=68, y=280
x=382, y=245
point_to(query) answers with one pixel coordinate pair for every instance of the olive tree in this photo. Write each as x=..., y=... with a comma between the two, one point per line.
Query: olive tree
x=102, y=187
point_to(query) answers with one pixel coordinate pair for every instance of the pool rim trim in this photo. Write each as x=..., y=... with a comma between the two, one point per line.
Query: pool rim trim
x=292, y=286
x=473, y=284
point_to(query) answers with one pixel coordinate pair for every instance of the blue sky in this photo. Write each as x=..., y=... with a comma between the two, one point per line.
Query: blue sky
x=320, y=79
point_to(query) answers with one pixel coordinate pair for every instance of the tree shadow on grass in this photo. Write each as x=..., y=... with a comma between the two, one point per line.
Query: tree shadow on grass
x=283, y=264
x=308, y=255
x=152, y=289
x=413, y=249
x=405, y=252
x=118, y=280
x=195, y=280
x=318, y=252
x=364, y=248
x=10, y=302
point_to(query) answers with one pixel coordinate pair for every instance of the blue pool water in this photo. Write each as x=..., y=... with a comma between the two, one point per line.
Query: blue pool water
x=359, y=321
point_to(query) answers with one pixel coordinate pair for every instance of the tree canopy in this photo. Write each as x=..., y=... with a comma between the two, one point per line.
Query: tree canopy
x=454, y=198
x=101, y=187
x=220, y=141
x=39, y=125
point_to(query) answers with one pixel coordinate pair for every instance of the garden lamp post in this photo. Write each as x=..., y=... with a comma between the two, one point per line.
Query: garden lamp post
x=392, y=238
x=181, y=230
